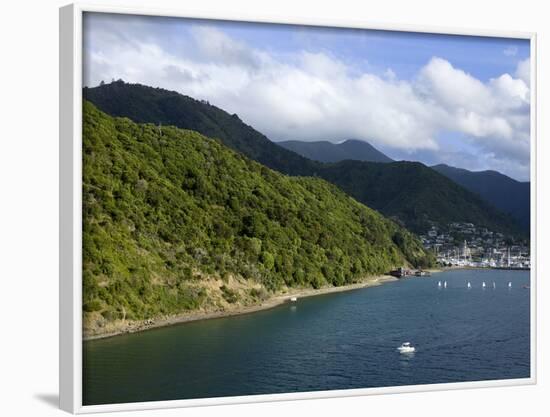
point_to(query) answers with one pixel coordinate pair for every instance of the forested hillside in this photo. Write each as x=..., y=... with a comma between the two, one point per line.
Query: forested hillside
x=506, y=194
x=168, y=213
x=415, y=195
x=386, y=187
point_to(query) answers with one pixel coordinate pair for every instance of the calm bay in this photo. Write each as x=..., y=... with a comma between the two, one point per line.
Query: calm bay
x=335, y=341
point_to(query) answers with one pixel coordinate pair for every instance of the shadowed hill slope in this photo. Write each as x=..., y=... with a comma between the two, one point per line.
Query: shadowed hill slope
x=506, y=194
x=383, y=186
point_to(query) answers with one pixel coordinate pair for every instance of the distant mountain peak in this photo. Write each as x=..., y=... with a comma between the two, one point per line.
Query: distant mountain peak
x=354, y=141
x=326, y=151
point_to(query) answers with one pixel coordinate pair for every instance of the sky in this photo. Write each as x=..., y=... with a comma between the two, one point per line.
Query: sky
x=459, y=100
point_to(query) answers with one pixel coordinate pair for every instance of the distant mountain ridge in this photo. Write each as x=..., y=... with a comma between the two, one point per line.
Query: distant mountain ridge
x=505, y=193
x=414, y=194
x=146, y=104
x=325, y=151
x=381, y=186
x=492, y=186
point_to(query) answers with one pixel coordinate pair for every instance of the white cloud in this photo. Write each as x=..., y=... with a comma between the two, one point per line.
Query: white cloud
x=510, y=92
x=390, y=75
x=451, y=87
x=315, y=96
x=219, y=48
x=523, y=71
x=495, y=115
x=510, y=50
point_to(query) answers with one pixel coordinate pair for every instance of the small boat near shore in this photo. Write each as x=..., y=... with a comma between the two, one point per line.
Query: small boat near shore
x=406, y=347
x=293, y=299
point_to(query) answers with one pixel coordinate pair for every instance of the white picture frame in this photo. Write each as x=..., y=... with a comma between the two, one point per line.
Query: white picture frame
x=70, y=153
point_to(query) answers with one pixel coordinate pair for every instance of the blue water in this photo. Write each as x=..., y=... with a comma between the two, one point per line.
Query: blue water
x=335, y=341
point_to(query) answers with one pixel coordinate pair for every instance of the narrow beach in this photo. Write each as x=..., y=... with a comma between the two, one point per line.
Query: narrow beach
x=276, y=300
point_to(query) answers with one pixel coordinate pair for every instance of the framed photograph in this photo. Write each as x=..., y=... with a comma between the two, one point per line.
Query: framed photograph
x=256, y=209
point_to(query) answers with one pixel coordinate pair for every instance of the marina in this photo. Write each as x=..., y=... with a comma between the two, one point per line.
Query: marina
x=466, y=245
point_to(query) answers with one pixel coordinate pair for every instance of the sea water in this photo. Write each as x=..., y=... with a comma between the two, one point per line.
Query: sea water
x=329, y=342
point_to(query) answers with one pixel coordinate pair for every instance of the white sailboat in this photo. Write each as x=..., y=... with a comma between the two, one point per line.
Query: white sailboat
x=469, y=285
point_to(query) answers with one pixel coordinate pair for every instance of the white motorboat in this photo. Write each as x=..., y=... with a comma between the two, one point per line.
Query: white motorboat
x=406, y=347
x=293, y=299
x=509, y=285
x=445, y=284
x=483, y=285
x=439, y=284
x=469, y=285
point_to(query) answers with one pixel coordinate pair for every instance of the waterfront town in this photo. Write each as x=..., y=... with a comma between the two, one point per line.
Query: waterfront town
x=466, y=245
